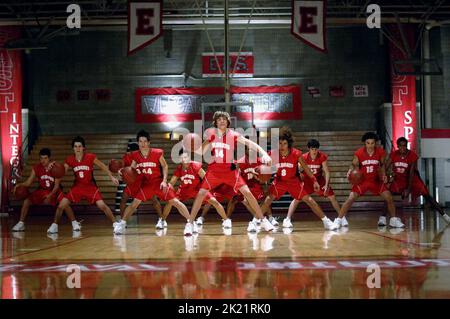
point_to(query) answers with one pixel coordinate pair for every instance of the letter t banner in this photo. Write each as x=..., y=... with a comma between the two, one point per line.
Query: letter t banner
x=309, y=23
x=144, y=24
x=403, y=88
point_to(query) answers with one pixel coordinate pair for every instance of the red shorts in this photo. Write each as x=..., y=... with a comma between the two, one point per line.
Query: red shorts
x=224, y=192
x=256, y=190
x=37, y=197
x=293, y=186
x=309, y=186
x=418, y=187
x=375, y=187
x=132, y=189
x=148, y=190
x=231, y=178
x=191, y=194
x=89, y=192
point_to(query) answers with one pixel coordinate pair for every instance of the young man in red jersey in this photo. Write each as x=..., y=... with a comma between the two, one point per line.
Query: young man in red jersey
x=82, y=164
x=221, y=170
x=317, y=162
x=371, y=160
x=191, y=175
x=48, y=193
x=287, y=180
x=407, y=181
x=131, y=189
x=151, y=164
x=247, y=168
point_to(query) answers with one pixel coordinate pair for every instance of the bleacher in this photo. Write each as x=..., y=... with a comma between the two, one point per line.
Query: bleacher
x=339, y=146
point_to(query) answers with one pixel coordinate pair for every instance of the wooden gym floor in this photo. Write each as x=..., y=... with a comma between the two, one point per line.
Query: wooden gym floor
x=307, y=263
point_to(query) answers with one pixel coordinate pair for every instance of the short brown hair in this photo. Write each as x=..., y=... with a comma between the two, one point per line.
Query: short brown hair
x=286, y=135
x=218, y=114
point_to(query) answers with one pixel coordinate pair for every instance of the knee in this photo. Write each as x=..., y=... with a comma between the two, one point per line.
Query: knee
x=63, y=204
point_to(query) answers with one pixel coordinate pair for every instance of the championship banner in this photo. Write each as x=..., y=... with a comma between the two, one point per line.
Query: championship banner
x=244, y=64
x=10, y=109
x=144, y=23
x=184, y=104
x=308, y=23
x=403, y=88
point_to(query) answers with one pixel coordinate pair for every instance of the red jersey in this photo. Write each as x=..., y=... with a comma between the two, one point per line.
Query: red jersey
x=315, y=165
x=127, y=160
x=190, y=178
x=369, y=164
x=82, y=170
x=246, y=167
x=288, y=165
x=46, y=181
x=222, y=148
x=401, y=164
x=149, y=167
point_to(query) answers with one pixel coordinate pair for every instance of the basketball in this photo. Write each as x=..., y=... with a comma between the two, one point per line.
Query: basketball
x=129, y=175
x=355, y=177
x=115, y=165
x=58, y=170
x=21, y=193
x=192, y=142
x=265, y=173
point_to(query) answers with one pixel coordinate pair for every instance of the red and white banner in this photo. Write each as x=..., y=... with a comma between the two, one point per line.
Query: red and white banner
x=184, y=104
x=403, y=88
x=10, y=109
x=144, y=23
x=309, y=23
x=239, y=66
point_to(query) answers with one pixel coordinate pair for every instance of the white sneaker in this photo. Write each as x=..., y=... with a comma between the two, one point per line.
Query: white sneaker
x=382, y=221
x=200, y=221
x=164, y=223
x=226, y=223
x=338, y=222
x=446, y=218
x=227, y=231
x=76, y=226
x=256, y=221
x=252, y=227
x=119, y=228
x=329, y=225
x=160, y=224
x=188, y=231
x=267, y=225
x=273, y=221
x=287, y=223
x=396, y=222
x=20, y=226
x=344, y=222
x=53, y=229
